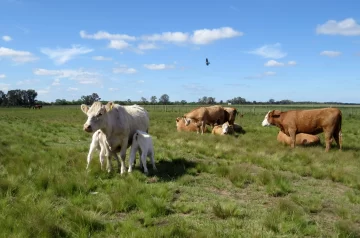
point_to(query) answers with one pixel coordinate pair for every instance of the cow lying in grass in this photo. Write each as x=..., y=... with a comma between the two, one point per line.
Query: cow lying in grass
x=143, y=142
x=301, y=139
x=223, y=129
x=192, y=127
x=99, y=143
x=314, y=121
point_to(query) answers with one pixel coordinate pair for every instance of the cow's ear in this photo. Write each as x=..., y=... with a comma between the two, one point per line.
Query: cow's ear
x=275, y=113
x=109, y=106
x=177, y=119
x=84, y=108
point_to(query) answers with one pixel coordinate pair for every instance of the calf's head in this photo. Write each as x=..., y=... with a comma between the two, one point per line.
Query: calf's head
x=96, y=116
x=270, y=117
x=225, y=128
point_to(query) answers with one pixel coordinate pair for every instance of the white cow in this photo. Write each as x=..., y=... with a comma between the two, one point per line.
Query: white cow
x=99, y=143
x=143, y=142
x=118, y=123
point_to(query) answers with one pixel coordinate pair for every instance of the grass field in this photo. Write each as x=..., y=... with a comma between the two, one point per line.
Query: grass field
x=245, y=185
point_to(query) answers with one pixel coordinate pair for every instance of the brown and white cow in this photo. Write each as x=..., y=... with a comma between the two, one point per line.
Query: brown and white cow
x=180, y=126
x=224, y=129
x=314, y=121
x=230, y=114
x=301, y=139
x=203, y=116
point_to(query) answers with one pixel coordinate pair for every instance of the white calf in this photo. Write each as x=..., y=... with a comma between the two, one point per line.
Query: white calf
x=99, y=142
x=143, y=142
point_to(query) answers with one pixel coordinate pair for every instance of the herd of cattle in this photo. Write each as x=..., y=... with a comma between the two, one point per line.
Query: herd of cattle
x=118, y=127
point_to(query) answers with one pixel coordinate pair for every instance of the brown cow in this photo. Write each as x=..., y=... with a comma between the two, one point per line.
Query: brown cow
x=224, y=129
x=180, y=126
x=203, y=116
x=301, y=139
x=314, y=121
x=230, y=114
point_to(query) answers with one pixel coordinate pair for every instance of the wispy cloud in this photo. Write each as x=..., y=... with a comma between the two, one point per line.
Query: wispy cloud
x=72, y=89
x=258, y=76
x=56, y=82
x=16, y=56
x=43, y=91
x=6, y=38
x=196, y=89
x=2, y=76
x=273, y=63
x=62, y=55
x=27, y=82
x=330, y=53
x=4, y=86
x=123, y=69
x=346, y=27
x=118, y=44
x=206, y=36
x=103, y=35
x=269, y=51
x=113, y=89
x=80, y=75
x=158, y=66
x=101, y=58
x=147, y=46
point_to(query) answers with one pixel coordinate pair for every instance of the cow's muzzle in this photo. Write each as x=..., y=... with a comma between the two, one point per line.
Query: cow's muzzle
x=87, y=128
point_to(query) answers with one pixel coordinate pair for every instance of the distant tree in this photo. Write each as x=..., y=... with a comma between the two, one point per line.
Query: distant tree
x=153, y=99
x=128, y=101
x=183, y=102
x=2, y=98
x=144, y=100
x=221, y=102
x=31, y=96
x=90, y=99
x=164, y=99
x=237, y=100
x=271, y=101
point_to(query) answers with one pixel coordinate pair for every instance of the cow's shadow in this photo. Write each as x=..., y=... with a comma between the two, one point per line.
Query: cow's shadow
x=168, y=170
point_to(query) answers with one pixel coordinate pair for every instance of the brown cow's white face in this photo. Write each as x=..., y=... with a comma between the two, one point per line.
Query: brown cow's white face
x=96, y=117
x=266, y=120
x=225, y=128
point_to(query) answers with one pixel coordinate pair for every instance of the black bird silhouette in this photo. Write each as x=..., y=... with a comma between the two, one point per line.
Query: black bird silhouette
x=207, y=61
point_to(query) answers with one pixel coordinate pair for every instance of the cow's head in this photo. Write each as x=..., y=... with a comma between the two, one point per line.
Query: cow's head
x=270, y=117
x=225, y=128
x=186, y=120
x=97, y=117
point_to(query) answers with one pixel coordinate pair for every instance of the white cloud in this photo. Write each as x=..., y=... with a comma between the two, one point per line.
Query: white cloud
x=101, y=58
x=347, y=27
x=113, y=89
x=56, y=82
x=43, y=91
x=140, y=81
x=4, y=87
x=273, y=63
x=270, y=51
x=80, y=75
x=147, y=46
x=196, y=89
x=172, y=37
x=27, y=82
x=72, y=89
x=258, y=76
x=16, y=56
x=61, y=56
x=6, y=38
x=103, y=35
x=330, y=53
x=123, y=69
x=118, y=44
x=206, y=36
x=158, y=66
x=292, y=63
x=2, y=76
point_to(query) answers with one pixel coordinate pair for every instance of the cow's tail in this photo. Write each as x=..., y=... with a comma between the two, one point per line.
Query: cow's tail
x=340, y=133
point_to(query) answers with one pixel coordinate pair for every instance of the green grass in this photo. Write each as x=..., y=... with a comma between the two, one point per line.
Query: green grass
x=247, y=185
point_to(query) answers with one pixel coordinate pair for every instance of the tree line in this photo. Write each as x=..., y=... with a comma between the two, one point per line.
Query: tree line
x=28, y=97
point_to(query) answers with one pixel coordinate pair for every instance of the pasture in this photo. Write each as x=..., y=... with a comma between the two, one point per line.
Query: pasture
x=247, y=185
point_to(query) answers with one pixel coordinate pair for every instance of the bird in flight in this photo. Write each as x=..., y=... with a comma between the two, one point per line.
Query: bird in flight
x=207, y=61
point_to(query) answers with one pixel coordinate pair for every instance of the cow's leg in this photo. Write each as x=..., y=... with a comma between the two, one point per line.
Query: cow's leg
x=338, y=138
x=123, y=156
x=143, y=160
x=202, y=127
x=152, y=158
x=328, y=136
x=102, y=156
x=292, y=138
x=91, y=150
x=132, y=156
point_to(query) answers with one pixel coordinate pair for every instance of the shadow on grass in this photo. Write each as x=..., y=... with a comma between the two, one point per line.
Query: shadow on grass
x=172, y=169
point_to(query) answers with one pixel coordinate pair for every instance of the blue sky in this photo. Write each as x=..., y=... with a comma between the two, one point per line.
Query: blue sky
x=258, y=49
